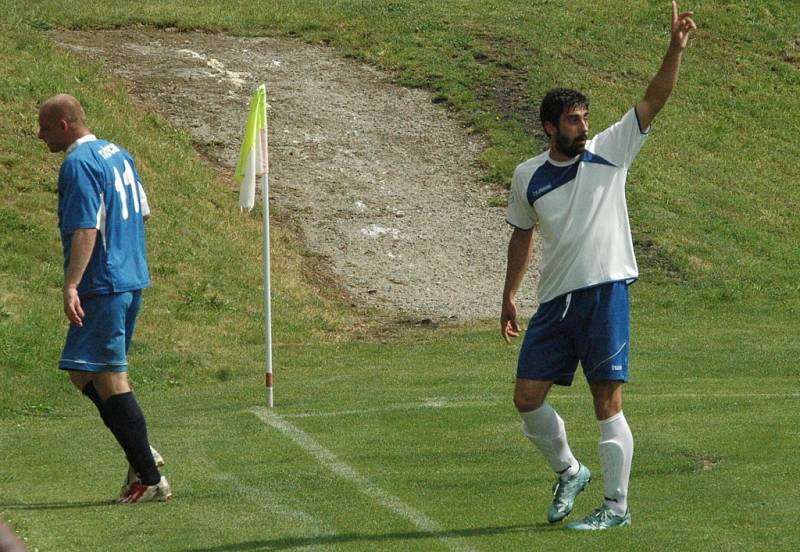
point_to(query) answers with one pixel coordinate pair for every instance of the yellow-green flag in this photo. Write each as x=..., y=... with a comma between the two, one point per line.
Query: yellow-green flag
x=253, y=157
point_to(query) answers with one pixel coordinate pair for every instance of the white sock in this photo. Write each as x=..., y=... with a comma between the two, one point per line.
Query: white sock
x=545, y=428
x=616, y=453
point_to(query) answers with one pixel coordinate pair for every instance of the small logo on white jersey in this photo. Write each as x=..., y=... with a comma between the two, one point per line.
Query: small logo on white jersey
x=616, y=367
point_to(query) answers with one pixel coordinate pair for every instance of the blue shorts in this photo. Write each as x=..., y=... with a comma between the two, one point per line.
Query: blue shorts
x=589, y=325
x=101, y=345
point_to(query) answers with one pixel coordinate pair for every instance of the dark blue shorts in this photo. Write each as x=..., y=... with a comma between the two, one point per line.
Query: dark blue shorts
x=101, y=345
x=589, y=325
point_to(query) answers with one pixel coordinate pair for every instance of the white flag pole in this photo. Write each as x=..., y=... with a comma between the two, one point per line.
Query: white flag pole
x=263, y=170
x=267, y=293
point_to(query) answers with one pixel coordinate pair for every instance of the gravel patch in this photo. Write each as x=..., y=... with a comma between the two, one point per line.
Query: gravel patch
x=383, y=182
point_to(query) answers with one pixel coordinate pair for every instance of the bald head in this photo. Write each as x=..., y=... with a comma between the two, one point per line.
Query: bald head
x=61, y=122
x=64, y=107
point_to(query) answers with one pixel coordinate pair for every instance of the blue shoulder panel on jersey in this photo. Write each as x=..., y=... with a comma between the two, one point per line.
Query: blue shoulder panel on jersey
x=548, y=177
x=589, y=157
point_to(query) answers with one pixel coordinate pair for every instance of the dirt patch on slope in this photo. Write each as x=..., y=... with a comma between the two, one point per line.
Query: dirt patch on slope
x=383, y=182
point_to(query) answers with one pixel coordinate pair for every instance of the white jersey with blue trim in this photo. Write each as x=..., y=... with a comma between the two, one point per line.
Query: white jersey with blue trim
x=98, y=187
x=581, y=210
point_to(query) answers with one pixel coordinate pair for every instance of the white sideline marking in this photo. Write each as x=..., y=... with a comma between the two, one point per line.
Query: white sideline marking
x=458, y=402
x=367, y=487
x=430, y=403
x=713, y=396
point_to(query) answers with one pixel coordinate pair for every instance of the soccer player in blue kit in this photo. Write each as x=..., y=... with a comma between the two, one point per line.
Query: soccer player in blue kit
x=575, y=191
x=101, y=211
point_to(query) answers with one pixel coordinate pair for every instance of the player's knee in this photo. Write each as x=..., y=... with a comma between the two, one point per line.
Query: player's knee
x=606, y=409
x=530, y=395
x=527, y=402
x=607, y=398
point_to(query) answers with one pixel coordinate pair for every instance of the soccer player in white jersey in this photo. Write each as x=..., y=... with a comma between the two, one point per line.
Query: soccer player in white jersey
x=575, y=192
x=101, y=211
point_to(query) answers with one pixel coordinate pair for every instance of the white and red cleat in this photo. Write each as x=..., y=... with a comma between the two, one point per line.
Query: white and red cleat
x=139, y=492
x=132, y=477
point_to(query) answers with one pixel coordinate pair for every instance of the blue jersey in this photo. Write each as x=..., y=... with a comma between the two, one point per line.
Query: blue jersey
x=98, y=187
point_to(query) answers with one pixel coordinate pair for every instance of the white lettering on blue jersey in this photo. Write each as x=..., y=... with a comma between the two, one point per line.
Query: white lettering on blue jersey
x=107, y=151
x=97, y=186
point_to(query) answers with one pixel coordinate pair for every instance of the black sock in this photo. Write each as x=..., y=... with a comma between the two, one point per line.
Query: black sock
x=92, y=394
x=131, y=430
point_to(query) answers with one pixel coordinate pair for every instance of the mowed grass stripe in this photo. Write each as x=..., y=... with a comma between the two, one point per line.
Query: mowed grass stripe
x=481, y=402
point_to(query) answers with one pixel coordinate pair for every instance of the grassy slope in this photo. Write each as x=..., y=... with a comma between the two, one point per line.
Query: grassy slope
x=712, y=197
x=705, y=191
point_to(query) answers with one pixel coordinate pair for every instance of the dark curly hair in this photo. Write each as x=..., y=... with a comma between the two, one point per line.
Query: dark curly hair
x=558, y=100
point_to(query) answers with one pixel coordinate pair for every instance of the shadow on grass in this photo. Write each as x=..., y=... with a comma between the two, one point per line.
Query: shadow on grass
x=325, y=540
x=60, y=505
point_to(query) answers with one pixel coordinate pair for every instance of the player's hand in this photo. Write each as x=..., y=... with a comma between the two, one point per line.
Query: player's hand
x=508, y=321
x=72, y=306
x=682, y=24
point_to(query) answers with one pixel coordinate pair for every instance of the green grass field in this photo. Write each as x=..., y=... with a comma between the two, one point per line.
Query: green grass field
x=389, y=437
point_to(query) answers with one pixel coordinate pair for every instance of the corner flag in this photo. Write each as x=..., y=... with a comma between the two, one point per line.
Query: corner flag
x=253, y=163
x=253, y=158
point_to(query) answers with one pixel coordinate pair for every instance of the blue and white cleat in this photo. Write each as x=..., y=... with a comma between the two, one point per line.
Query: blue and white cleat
x=564, y=493
x=601, y=518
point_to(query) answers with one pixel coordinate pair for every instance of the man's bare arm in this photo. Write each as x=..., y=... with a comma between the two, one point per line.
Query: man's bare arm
x=520, y=249
x=83, y=241
x=660, y=88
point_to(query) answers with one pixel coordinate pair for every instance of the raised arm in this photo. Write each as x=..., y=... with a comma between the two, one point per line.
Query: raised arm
x=660, y=88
